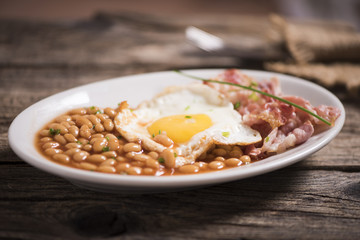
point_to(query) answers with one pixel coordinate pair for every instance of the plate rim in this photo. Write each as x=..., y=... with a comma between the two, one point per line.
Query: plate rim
x=267, y=165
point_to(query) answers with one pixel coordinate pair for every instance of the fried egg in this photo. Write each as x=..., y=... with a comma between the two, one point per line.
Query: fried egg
x=193, y=116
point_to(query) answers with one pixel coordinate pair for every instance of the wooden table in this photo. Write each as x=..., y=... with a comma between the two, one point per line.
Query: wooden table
x=317, y=198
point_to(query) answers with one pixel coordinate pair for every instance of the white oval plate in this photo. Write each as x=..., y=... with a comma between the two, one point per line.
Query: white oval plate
x=135, y=89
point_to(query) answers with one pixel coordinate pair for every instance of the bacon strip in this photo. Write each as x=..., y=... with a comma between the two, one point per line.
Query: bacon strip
x=282, y=126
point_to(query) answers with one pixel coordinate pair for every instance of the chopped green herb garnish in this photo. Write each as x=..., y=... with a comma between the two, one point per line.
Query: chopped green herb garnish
x=105, y=149
x=114, y=158
x=267, y=139
x=188, y=117
x=236, y=105
x=119, y=104
x=254, y=84
x=187, y=108
x=258, y=91
x=78, y=142
x=54, y=131
x=226, y=134
x=175, y=154
x=98, y=111
x=254, y=97
x=119, y=137
x=107, y=138
x=161, y=160
x=92, y=107
x=93, y=126
x=159, y=132
x=153, y=135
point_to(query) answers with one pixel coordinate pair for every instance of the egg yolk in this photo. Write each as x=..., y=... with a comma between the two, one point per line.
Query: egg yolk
x=180, y=128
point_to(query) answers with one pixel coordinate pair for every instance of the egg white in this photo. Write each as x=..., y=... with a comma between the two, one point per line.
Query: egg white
x=227, y=128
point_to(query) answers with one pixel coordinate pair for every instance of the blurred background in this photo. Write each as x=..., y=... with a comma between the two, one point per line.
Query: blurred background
x=68, y=10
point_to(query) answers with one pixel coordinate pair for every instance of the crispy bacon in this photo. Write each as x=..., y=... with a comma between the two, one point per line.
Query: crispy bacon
x=281, y=125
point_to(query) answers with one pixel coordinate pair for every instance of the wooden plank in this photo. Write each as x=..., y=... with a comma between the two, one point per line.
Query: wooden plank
x=325, y=203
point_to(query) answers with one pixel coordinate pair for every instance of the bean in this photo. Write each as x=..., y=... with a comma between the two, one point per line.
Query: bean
x=164, y=140
x=97, y=135
x=78, y=111
x=216, y=165
x=113, y=146
x=189, y=169
x=120, y=150
x=149, y=171
x=110, y=112
x=220, y=159
x=202, y=156
x=120, y=159
x=45, y=139
x=60, y=139
x=236, y=148
x=72, y=151
x=138, y=164
x=106, y=169
x=245, y=158
x=63, y=118
x=72, y=145
x=62, y=128
x=99, y=145
x=80, y=156
x=109, y=125
x=219, y=152
x=225, y=147
x=108, y=162
x=66, y=124
x=52, y=151
x=102, y=117
x=85, y=131
x=93, y=109
x=50, y=145
x=153, y=155
x=94, y=120
x=232, y=162
x=74, y=130
x=169, y=158
x=122, y=167
x=70, y=138
x=152, y=163
x=133, y=170
x=132, y=147
x=96, y=158
x=130, y=155
x=98, y=139
x=63, y=158
x=110, y=154
x=81, y=120
x=99, y=127
x=72, y=123
x=111, y=137
x=87, y=147
x=88, y=166
x=210, y=156
x=45, y=133
x=201, y=165
x=141, y=157
x=235, y=153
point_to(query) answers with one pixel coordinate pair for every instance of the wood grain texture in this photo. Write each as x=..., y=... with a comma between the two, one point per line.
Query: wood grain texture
x=317, y=198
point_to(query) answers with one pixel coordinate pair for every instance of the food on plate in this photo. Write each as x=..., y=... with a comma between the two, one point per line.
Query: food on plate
x=185, y=129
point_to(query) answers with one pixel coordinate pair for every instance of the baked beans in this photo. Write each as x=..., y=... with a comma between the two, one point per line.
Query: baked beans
x=86, y=138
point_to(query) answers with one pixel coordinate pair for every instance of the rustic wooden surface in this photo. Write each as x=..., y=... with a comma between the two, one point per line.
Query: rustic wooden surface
x=317, y=198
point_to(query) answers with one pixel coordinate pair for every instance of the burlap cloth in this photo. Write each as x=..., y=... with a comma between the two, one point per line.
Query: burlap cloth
x=328, y=53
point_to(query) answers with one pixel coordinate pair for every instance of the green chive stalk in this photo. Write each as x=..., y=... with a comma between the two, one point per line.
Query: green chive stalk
x=258, y=91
